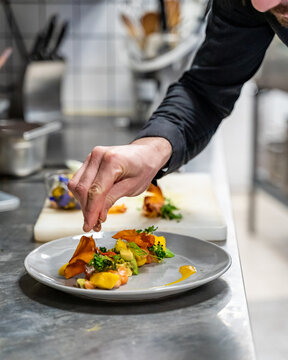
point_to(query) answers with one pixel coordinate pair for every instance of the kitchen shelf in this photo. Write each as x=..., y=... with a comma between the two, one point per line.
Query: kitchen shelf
x=257, y=181
x=272, y=190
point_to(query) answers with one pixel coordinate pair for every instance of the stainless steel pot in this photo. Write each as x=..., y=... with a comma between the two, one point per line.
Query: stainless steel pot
x=23, y=146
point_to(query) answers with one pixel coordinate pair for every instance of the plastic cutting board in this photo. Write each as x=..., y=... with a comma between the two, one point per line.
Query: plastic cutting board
x=192, y=193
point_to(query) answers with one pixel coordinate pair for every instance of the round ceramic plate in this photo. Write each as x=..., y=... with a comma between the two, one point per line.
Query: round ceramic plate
x=210, y=260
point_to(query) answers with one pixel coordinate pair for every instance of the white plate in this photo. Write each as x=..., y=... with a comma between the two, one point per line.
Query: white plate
x=210, y=261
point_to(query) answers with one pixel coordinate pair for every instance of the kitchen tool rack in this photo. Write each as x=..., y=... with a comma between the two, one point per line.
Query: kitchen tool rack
x=35, y=95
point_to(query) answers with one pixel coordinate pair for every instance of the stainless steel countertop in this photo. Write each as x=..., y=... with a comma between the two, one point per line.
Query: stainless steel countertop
x=210, y=322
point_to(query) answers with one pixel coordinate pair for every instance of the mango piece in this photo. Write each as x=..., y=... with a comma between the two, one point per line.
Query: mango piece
x=140, y=260
x=61, y=271
x=120, y=244
x=104, y=280
x=160, y=240
x=126, y=254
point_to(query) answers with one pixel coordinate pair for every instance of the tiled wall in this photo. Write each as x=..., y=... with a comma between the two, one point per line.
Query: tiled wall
x=98, y=78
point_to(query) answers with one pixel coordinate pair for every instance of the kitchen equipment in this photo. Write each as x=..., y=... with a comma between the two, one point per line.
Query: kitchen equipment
x=277, y=163
x=8, y=202
x=164, y=55
x=193, y=194
x=35, y=51
x=54, y=53
x=23, y=146
x=38, y=96
x=43, y=39
x=163, y=18
x=150, y=22
x=15, y=30
x=48, y=33
x=210, y=261
x=134, y=31
x=173, y=14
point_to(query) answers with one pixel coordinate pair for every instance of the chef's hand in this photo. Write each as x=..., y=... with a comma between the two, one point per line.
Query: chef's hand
x=110, y=173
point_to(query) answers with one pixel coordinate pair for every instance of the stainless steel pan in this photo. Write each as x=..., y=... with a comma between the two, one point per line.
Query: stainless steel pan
x=23, y=146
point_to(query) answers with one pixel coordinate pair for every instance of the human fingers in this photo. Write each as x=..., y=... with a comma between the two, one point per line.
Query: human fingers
x=76, y=177
x=85, y=177
x=126, y=187
x=109, y=172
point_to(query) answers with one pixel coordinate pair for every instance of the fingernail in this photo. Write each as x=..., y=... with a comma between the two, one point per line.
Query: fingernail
x=86, y=228
x=97, y=227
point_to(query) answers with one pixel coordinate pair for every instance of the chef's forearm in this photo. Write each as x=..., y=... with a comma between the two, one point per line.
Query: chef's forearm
x=236, y=40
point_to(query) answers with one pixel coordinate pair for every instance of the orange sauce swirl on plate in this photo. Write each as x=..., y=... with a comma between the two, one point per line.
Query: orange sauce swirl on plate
x=185, y=271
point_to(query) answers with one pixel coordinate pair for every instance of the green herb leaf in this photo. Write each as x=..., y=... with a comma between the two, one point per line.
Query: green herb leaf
x=169, y=253
x=168, y=211
x=158, y=251
x=136, y=249
x=148, y=230
x=101, y=262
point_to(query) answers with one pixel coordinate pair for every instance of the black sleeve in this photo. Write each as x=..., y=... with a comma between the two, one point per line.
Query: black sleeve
x=236, y=41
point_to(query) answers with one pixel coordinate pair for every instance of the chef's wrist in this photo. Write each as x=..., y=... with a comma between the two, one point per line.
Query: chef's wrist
x=160, y=148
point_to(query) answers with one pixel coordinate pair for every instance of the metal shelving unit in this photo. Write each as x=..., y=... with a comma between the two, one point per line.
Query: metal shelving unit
x=257, y=180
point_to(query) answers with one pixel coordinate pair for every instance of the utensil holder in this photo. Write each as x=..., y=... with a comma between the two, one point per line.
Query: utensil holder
x=37, y=97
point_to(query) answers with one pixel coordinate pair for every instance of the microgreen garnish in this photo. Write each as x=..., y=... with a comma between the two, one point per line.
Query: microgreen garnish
x=148, y=230
x=168, y=211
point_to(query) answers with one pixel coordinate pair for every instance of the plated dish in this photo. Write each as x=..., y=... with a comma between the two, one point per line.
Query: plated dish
x=153, y=282
x=99, y=267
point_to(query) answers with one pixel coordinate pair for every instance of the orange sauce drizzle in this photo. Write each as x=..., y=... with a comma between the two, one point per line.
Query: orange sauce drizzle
x=185, y=271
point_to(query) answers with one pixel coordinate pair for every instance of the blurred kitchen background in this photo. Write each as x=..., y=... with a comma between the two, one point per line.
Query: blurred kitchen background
x=114, y=59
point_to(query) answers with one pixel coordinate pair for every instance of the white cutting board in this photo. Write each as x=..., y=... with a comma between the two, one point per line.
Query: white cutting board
x=193, y=194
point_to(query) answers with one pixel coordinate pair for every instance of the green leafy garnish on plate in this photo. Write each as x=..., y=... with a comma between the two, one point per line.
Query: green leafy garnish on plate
x=148, y=230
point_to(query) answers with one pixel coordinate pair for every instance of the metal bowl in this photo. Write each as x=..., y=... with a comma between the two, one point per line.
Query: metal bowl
x=23, y=146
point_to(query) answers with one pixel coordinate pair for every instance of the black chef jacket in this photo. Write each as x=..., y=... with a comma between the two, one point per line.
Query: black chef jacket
x=237, y=37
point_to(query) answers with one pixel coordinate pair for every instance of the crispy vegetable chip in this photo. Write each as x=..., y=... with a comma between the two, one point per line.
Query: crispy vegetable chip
x=75, y=268
x=141, y=239
x=126, y=235
x=85, y=250
x=82, y=255
x=153, y=203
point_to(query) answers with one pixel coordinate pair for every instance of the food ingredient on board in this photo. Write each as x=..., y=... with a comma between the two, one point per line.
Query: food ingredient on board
x=59, y=194
x=118, y=209
x=156, y=205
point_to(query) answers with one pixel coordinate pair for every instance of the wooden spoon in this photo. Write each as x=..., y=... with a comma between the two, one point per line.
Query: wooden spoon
x=150, y=22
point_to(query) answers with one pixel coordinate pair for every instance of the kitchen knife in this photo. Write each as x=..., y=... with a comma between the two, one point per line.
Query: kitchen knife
x=163, y=16
x=40, y=48
x=48, y=32
x=61, y=35
x=35, y=53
